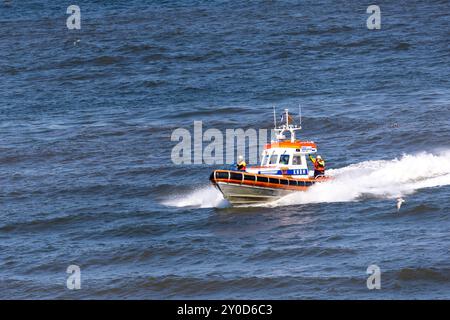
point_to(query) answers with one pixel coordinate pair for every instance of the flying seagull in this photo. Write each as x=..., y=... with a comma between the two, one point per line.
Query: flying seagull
x=399, y=203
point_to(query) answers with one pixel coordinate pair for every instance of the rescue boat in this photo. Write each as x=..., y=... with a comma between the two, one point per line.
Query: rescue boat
x=283, y=169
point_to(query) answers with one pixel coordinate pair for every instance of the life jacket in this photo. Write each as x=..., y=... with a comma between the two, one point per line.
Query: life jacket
x=319, y=164
x=242, y=166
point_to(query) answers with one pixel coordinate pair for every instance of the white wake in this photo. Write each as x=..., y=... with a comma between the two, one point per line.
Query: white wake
x=384, y=179
x=206, y=197
x=380, y=179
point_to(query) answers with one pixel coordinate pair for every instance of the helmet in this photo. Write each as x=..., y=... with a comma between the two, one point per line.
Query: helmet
x=319, y=157
x=241, y=158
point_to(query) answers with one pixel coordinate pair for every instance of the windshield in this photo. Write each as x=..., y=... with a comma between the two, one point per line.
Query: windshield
x=284, y=159
x=273, y=159
x=297, y=160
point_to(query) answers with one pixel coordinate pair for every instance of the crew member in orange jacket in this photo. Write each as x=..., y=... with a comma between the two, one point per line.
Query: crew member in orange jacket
x=319, y=166
x=242, y=166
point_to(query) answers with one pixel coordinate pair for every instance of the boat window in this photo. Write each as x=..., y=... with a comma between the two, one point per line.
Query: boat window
x=235, y=176
x=263, y=179
x=265, y=161
x=249, y=177
x=284, y=159
x=222, y=175
x=274, y=180
x=273, y=159
x=283, y=181
x=297, y=160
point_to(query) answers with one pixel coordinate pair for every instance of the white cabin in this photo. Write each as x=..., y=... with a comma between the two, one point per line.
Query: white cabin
x=286, y=155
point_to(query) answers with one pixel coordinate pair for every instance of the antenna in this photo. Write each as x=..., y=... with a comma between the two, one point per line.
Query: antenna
x=274, y=118
x=287, y=117
x=300, y=113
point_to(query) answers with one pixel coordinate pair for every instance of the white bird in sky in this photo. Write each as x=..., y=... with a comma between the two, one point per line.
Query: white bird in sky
x=399, y=202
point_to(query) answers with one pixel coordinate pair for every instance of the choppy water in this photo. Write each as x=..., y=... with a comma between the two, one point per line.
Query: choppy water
x=85, y=169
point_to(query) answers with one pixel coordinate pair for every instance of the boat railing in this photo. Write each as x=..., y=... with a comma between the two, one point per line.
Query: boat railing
x=254, y=179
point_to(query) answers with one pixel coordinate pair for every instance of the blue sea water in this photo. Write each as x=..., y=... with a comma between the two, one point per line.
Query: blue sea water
x=86, y=175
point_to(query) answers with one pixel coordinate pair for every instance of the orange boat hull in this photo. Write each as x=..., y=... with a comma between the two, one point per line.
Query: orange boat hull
x=246, y=188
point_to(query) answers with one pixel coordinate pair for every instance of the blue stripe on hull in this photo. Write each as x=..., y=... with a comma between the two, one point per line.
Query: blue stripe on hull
x=291, y=172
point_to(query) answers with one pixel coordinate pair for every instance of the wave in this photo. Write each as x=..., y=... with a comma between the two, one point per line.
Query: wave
x=205, y=197
x=430, y=274
x=381, y=179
